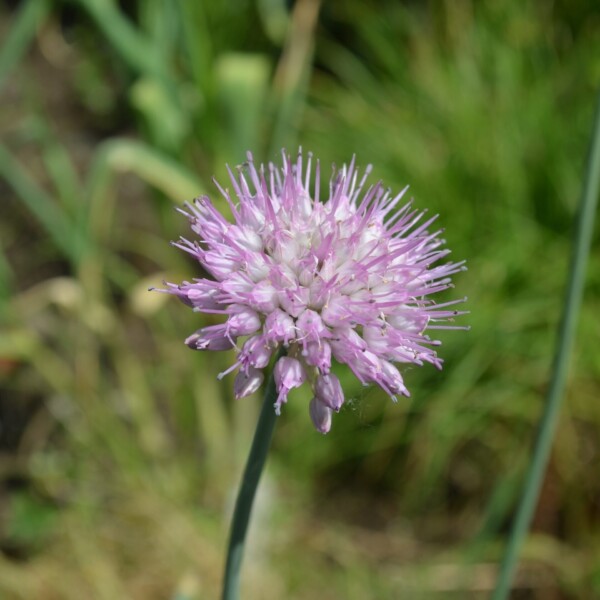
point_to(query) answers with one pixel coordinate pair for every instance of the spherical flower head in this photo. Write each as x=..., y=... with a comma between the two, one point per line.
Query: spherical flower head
x=350, y=278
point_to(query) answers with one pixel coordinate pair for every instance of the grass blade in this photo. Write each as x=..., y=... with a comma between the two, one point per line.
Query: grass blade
x=581, y=248
x=293, y=72
x=242, y=80
x=152, y=166
x=40, y=204
x=135, y=48
x=20, y=34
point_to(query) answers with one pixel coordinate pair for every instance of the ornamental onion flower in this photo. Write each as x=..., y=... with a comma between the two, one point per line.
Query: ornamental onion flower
x=350, y=278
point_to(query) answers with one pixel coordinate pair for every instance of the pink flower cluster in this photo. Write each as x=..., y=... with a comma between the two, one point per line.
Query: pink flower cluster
x=349, y=278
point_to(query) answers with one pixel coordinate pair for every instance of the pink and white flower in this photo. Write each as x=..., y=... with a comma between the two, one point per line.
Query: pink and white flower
x=350, y=278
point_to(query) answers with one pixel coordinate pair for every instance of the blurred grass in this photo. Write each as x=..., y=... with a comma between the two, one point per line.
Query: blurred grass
x=118, y=447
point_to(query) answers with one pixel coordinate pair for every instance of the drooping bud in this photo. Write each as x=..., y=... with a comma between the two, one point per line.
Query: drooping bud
x=279, y=327
x=318, y=354
x=391, y=380
x=328, y=390
x=311, y=324
x=243, y=320
x=200, y=295
x=213, y=337
x=347, y=345
x=366, y=366
x=289, y=374
x=256, y=352
x=320, y=414
x=247, y=383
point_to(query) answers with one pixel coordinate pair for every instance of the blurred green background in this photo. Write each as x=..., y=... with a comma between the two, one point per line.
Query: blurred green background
x=119, y=450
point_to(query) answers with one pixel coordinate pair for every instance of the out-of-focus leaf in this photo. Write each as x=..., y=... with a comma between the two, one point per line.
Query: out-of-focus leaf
x=169, y=124
x=242, y=80
x=62, y=171
x=39, y=203
x=275, y=18
x=143, y=302
x=6, y=277
x=136, y=49
x=152, y=166
x=158, y=95
x=290, y=84
x=20, y=34
x=31, y=520
x=17, y=343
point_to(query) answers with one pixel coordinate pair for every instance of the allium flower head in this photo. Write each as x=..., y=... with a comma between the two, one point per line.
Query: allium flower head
x=350, y=278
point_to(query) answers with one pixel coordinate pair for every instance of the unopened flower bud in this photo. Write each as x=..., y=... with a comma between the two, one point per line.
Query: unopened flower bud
x=328, y=390
x=279, y=327
x=391, y=380
x=320, y=414
x=213, y=337
x=256, y=352
x=263, y=297
x=243, y=321
x=247, y=383
x=318, y=354
x=289, y=374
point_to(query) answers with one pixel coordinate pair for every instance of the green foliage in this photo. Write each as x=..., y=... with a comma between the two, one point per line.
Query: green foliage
x=115, y=112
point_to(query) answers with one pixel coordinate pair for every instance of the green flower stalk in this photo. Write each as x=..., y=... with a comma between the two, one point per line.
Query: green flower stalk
x=247, y=491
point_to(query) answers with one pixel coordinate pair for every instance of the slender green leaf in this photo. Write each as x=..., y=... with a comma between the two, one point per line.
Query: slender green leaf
x=242, y=81
x=293, y=74
x=576, y=281
x=20, y=33
x=6, y=279
x=42, y=207
x=135, y=48
x=152, y=166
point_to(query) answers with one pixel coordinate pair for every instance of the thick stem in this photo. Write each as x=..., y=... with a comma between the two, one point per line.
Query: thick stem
x=245, y=499
x=580, y=252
